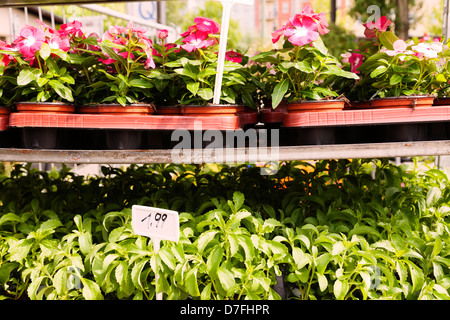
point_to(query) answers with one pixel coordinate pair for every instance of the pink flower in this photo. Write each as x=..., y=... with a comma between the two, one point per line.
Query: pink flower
x=30, y=41
x=149, y=63
x=276, y=35
x=71, y=29
x=355, y=60
x=373, y=28
x=189, y=31
x=207, y=25
x=320, y=19
x=162, y=34
x=59, y=43
x=345, y=57
x=233, y=56
x=197, y=40
x=399, y=47
x=5, y=59
x=303, y=31
x=131, y=29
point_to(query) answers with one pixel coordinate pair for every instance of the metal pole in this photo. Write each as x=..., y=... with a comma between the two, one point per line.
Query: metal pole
x=446, y=21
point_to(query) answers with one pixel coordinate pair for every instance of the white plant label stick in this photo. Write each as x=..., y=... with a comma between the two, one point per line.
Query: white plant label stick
x=226, y=13
x=157, y=224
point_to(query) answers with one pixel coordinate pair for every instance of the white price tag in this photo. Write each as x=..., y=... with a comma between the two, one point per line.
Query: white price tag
x=156, y=223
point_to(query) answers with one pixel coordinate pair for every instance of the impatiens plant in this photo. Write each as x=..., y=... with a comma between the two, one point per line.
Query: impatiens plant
x=41, y=56
x=126, y=58
x=305, y=69
x=187, y=69
x=393, y=67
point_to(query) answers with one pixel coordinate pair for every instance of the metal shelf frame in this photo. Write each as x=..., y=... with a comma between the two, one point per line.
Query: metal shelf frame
x=337, y=151
x=242, y=155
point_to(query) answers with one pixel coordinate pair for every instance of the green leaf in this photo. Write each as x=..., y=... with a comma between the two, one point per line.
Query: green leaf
x=378, y=71
x=91, y=290
x=141, y=83
x=395, y=79
x=226, y=279
x=340, y=289
x=388, y=38
x=358, y=229
x=206, y=93
x=214, y=260
x=433, y=196
x=238, y=200
x=167, y=256
x=319, y=45
x=27, y=75
x=323, y=282
x=20, y=249
x=204, y=239
x=85, y=242
x=300, y=258
x=322, y=262
x=9, y=217
x=191, y=283
x=193, y=87
x=45, y=51
x=60, y=281
x=279, y=91
x=5, y=271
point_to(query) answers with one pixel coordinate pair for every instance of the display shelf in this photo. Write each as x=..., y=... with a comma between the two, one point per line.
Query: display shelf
x=139, y=122
x=368, y=117
x=244, y=155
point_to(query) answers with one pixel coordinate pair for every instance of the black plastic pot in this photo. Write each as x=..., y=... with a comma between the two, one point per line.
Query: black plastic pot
x=123, y=139
x=406, y=132
x=317, y=136
x=40, y=138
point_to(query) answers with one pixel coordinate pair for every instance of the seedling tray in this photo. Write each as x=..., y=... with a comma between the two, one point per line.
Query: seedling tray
x=367, y=117
x=150, y=122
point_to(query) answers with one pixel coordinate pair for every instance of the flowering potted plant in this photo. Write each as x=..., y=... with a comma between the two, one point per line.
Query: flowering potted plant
x=399, y=72
x=8, y=79
x=188, y=67
x=123, y=62
x=305, y=69
x=41, y=59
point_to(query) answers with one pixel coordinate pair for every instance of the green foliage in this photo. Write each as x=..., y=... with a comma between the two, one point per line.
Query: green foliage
x=361, y=229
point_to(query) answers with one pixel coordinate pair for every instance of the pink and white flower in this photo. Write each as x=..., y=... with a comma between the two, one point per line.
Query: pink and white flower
x=29, y=41
x=197, y=40
x=319, y=18
x=303, y=31
x=427, y=50
x=355, y=60
x=399, y=48
x=302, y=28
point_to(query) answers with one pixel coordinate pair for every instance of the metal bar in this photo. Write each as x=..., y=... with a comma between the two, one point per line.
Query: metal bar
x=446, y=20
x=126, y=17
x=241, y=155
x=26, y=15
x=52, y=13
